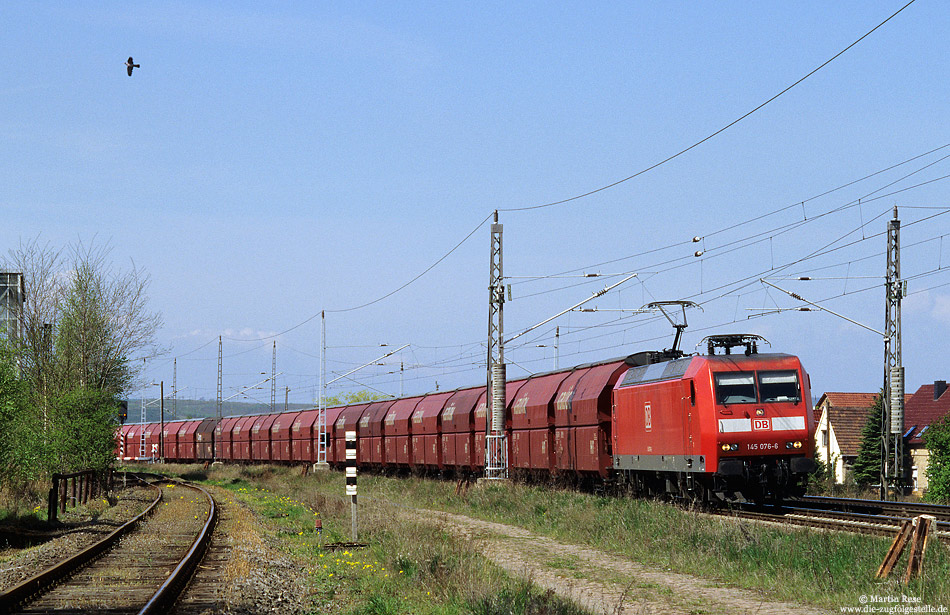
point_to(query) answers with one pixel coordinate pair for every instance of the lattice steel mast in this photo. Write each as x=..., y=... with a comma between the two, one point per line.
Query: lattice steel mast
x=892, y=423
x=175, y=388
x=496, y=446
x=273, y=380
x=144, y=416
x=218, y=404
x=322, y=411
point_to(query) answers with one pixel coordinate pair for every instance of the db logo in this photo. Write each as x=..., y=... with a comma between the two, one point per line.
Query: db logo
x=647, y=417
x=761, y=425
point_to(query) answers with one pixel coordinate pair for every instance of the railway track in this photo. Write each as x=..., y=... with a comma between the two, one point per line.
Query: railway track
x=889, y=508
x=142, y=567
x=844, y=514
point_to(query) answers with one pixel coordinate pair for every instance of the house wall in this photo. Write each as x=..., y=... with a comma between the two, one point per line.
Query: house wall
x=919, y=459
x=823, y=447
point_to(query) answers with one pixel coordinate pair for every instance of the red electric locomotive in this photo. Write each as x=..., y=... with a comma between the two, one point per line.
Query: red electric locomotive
x=716, y=426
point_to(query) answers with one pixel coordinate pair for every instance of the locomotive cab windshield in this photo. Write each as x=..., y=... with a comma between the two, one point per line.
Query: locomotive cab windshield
x=757, y=387
x=779, y=386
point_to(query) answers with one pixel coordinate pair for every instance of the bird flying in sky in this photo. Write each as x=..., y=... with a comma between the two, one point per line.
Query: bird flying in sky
x=129, y=66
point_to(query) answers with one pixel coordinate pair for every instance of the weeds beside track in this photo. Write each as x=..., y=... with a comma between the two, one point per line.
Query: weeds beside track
x=826, y=569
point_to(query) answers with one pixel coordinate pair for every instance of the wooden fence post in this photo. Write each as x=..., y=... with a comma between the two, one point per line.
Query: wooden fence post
x=914, y=532
x=894, y=553
x=915, y=561
x=52, y=504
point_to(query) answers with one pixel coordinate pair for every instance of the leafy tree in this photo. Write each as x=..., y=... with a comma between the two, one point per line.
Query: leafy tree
x=83, y=427
x=867, y=467
x=83, y=324
x=88, y=335
x=937, y=439
x=20, y=446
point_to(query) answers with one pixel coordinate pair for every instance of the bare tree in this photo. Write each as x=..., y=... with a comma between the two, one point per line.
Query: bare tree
x=40, y=266
x=85, y=322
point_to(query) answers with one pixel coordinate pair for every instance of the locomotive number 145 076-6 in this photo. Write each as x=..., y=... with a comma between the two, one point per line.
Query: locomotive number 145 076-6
x=763, y=446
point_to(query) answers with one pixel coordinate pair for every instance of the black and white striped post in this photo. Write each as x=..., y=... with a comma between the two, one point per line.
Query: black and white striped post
x=351, y=477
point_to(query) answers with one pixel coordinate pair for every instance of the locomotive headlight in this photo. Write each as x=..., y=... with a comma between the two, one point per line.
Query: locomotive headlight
x=725, y=448
x=729, y=447
x=796, y=444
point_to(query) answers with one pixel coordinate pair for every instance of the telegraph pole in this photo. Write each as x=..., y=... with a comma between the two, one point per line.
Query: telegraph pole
x=892, y=422
x=496, y=447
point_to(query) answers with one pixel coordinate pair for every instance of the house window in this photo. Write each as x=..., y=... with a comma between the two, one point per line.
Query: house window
x=824, y=437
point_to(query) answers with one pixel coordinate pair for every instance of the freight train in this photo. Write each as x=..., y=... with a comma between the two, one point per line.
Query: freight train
x=711, y=427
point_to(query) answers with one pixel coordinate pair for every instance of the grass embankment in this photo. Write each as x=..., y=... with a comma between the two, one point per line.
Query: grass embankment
x=422, y=563
x=786, y=563
x=407, y=567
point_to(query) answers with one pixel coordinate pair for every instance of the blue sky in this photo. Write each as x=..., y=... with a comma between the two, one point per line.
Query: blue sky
x=269, y=162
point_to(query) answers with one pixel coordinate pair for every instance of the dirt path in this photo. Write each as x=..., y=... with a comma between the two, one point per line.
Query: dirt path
x=605, y=583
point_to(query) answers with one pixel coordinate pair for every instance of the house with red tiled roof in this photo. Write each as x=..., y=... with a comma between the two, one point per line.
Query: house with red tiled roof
x=840, y=419
x=926, y=406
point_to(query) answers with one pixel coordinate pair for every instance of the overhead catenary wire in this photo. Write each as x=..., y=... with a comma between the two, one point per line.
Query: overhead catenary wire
x=714, y=134
x=939, y=211
x=595, y=191
x=787, y=227
x=684, y=260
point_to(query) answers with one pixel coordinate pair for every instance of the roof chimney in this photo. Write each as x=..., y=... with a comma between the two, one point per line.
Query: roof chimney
x=939, y=387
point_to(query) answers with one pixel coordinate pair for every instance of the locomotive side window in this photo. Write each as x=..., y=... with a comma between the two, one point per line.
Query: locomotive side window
x=779, y=386
x=735, y=388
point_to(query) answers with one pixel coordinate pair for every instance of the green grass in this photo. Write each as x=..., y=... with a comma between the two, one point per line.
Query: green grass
x=790, y=564
x=407, y=567
x=827, y=569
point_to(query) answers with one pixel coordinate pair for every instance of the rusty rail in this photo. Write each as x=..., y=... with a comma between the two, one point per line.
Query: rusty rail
x=38, y=583
x=76, y=488
x=170, y=590
x=159, y=602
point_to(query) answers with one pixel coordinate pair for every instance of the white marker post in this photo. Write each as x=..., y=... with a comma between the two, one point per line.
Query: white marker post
x=351, y=477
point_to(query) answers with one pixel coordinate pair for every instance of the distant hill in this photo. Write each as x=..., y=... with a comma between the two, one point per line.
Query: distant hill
x=201, y=408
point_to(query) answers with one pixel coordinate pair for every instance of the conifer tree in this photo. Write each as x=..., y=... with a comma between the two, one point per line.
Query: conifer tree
x=867, y=467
